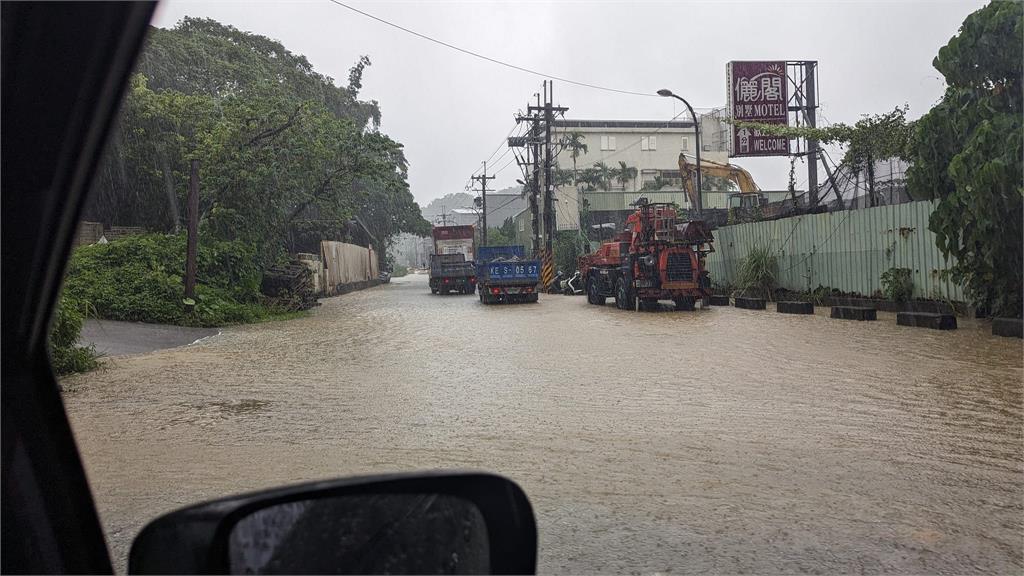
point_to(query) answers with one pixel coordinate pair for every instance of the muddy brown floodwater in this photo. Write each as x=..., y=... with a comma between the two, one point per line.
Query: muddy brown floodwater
x=721, y=440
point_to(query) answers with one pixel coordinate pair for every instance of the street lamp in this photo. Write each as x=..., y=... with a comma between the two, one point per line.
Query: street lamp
x=696, y=127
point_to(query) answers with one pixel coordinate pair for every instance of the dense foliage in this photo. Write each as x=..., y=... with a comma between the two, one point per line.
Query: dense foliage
x=897, y=284
x=568, y=246
x=967, y=153
x=66, y=356
x=283, y=153
x=139, y=278
x=504, y=235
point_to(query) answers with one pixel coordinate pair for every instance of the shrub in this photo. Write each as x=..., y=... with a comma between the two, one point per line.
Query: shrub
x=398, y=271
x=897, y=284
x=758, y=272
x=140, y=278
x=66, y=355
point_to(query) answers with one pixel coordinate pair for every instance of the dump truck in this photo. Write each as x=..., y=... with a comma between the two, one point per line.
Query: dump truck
x=451, y=264
x=504, y=274
x=657, y=257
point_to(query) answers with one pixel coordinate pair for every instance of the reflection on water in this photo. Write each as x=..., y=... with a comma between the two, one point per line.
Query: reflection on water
x=721, y=440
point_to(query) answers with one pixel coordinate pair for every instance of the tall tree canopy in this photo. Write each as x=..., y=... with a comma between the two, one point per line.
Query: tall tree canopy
x=967, y=153
x=282, y=150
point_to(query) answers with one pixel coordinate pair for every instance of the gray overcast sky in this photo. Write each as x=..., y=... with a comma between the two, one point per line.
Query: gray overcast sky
x=451, y=110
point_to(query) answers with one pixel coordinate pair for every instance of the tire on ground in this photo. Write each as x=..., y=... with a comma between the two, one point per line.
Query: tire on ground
x=593, y=292
x=624, y=298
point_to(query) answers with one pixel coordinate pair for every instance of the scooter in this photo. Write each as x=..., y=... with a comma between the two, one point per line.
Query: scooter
x=573, y=286
x=556, y=283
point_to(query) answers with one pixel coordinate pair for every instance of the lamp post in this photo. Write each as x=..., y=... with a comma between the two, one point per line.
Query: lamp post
x=696, y=127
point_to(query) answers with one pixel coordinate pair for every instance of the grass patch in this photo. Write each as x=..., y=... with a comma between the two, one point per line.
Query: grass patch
x=758, y=273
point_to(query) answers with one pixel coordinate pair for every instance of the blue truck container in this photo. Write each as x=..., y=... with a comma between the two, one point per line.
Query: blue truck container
x=503, y=274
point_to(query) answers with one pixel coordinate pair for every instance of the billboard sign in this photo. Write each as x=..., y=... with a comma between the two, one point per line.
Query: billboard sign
x=758, y=92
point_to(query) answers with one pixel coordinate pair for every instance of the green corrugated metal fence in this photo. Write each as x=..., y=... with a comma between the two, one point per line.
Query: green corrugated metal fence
x=846, y=250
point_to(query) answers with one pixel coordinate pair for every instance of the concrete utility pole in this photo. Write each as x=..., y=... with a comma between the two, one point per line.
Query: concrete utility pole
x=549, y=111
x=483, y=178
x=531, y=146
x=442, y=216
x=811, y=106
x=192, y=244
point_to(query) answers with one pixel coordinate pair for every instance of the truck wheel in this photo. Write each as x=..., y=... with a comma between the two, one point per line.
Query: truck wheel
x=533, y=298
x=594, y=292
x=433, y=290
x=624, y=298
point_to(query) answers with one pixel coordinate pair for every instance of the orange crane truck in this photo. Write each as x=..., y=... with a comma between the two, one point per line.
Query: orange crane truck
x=657, y=257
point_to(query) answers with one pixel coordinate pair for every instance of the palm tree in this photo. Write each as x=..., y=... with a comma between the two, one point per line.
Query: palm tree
x=590, y=179
x=623, y=174
x=576, y=143
x=604, y=175
x=657, y=184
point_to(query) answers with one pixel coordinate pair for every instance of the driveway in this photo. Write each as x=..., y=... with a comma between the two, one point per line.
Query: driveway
x=112, y=338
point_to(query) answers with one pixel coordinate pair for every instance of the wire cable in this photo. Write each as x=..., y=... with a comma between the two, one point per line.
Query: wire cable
x=489, y=59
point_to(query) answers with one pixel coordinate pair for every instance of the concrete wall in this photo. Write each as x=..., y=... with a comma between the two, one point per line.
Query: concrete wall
x=846, y=250
x=346, y=264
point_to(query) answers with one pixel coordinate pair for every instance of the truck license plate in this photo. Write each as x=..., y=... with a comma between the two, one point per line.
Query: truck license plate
x=512, y=290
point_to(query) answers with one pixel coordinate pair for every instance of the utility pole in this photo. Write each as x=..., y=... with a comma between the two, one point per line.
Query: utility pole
x=531, y=146
x=193, y=232
x=811, y=102
x=548, y=110
x=483, y=178
x=443, y=216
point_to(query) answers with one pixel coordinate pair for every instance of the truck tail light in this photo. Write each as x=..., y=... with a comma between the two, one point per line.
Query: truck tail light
x=528, y=290
x=495, y=290
x=472, y=278
x=445, y=280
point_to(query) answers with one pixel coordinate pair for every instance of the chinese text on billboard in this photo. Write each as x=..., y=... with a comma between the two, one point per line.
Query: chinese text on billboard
x=758, y=93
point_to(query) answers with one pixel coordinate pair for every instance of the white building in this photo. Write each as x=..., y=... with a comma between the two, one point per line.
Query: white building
x=652, y=147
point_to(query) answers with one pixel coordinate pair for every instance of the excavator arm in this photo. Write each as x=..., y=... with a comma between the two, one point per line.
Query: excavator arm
x=688, y=170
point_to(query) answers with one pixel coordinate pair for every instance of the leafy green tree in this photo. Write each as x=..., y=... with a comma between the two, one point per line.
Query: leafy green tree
x=967, y=153
x=504, y=235
x=284, y=154
x=568, y=247
x=203, y=56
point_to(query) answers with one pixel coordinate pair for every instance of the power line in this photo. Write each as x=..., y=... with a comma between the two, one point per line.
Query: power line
x=500, y=144
x=489, y=59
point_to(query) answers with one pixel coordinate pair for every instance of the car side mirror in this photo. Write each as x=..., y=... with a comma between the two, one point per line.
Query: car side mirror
x=436, y=523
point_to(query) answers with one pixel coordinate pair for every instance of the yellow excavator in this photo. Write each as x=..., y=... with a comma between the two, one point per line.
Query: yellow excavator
x=749, y=195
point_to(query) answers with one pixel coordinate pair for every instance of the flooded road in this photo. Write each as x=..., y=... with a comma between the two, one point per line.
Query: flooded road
x=721, y=440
